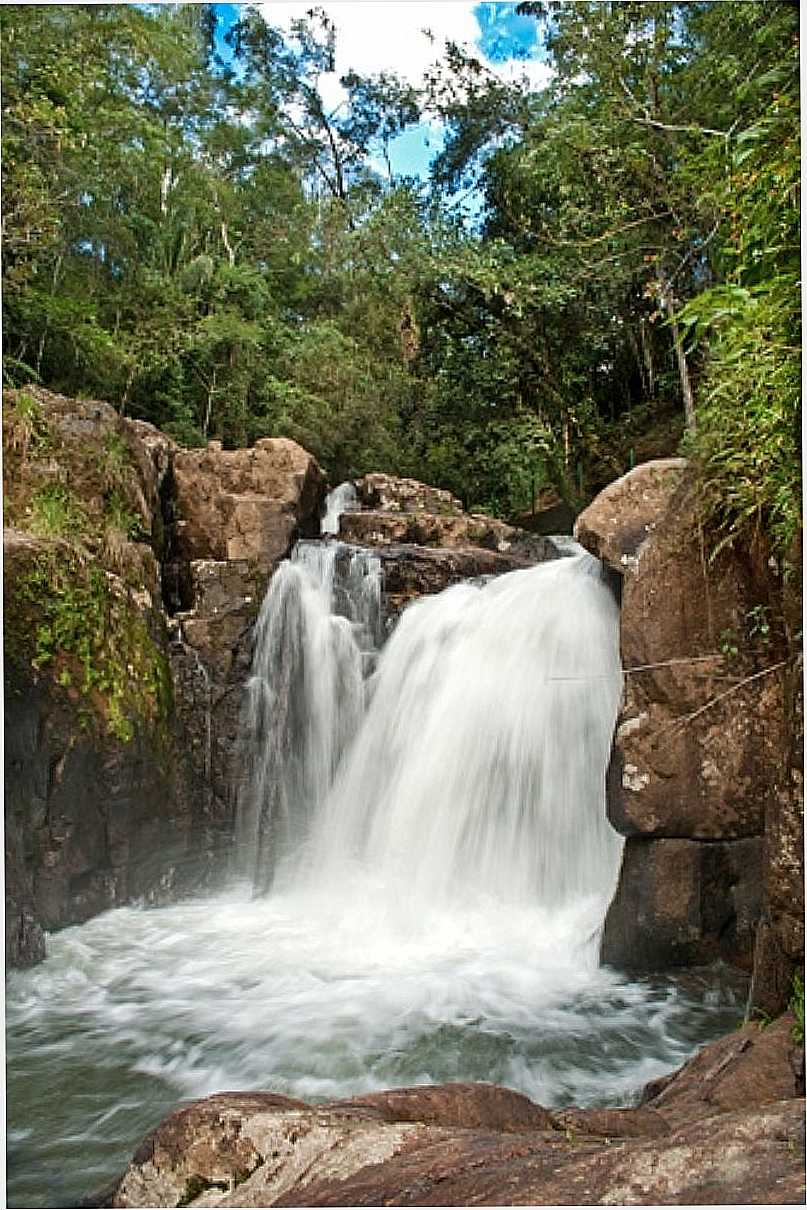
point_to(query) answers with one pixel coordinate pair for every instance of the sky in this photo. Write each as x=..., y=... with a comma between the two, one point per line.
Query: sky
x=387, y=35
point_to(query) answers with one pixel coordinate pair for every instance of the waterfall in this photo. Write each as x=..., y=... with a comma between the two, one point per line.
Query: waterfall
x=315, y=639
x=427, y=830
x=343, y=499
x=477, y=775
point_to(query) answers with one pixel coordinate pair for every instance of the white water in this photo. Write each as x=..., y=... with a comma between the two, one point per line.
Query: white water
x=343, y=499
x=478, y=777
x=433, y=916
x=304, y=700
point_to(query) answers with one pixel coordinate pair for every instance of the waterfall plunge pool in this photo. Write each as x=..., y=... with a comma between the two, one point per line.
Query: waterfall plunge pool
x=426, y=864
x=141, y=1009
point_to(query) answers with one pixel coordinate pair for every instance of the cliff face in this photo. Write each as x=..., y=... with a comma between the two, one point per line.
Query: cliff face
x=121, y=706
x=705, y=779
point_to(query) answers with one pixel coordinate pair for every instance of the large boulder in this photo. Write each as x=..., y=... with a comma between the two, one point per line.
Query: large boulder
x=245, y=504
x=726, y=1129
x=702, y=763
x=387, y=493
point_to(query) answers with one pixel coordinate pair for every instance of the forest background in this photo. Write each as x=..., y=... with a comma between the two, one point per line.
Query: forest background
x=192, y=233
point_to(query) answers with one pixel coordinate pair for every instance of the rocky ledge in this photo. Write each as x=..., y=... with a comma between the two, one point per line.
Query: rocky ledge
x=727, y=1128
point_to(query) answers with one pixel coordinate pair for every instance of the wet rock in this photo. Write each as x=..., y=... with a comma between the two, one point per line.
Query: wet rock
x=682, y=903
x=701, y=751
x=245, y=504
x=409, y=572
x=751, y=1066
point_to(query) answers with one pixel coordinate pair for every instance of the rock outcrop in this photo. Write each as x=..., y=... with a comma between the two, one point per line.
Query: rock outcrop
x=728, y=1128
x=406, y=512
x=701, y=781
x=244, y=505
x=426, y=542
x=133, y=572
x=99, y=799
x=234, y=515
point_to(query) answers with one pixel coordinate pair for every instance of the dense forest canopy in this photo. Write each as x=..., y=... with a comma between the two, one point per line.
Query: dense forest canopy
x=200, y=240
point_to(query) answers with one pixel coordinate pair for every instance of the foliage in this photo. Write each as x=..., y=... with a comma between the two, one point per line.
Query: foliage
x=93, y=638
x=25, y=428
x=748, y=441
x=56, y=513
x=214, y=249
x=796, y=1006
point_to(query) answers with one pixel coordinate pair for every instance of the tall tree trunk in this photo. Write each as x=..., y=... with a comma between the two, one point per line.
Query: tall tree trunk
x=683, y=368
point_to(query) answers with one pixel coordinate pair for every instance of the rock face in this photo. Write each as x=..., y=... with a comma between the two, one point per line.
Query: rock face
x=727, y=1129
x=427, y=543
x=244, y=505
x=701, y=781
x=235, y=515
x=410, y=572
x=134, y=571
x=100, y=803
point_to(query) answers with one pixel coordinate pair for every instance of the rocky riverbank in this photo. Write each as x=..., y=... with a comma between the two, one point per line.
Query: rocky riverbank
x=728, y=1128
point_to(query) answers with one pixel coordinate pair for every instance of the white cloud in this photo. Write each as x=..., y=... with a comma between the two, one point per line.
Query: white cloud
x=387, y=35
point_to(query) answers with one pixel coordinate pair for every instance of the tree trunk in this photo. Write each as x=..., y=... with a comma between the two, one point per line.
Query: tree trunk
x=683, y=368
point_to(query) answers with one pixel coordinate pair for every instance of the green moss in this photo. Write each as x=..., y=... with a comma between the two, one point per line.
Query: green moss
x=76, y=620
x=796, y=1006
x=56, y=513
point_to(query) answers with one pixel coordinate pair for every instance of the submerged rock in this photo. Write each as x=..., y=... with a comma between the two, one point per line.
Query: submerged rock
x=727, y=1128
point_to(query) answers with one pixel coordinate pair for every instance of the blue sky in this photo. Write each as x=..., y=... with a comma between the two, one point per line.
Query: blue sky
x=387, y=35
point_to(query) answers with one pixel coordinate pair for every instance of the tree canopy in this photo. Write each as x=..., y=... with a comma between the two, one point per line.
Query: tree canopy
x=210, y=247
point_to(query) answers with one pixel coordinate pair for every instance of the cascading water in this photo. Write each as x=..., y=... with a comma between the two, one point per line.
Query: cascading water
x=317, y=628
x=478, y=777
x=343, y=499
x=429, y=837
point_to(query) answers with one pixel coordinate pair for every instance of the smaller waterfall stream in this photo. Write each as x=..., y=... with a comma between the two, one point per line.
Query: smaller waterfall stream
x=314, y=641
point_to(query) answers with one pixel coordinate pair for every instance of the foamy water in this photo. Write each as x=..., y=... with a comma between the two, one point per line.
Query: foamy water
x=139, y=1009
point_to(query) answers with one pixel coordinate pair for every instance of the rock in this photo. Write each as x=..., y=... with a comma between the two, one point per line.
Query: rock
x=618, y=522
x=751, y=1066
x=701, y=747
x=682, y=903
x=245, y=504
x=467, y=1105
x=426, y=529
x=726, y=1129
x=159, y=447
x=410, y=572
x=91, y=452
x=390, y=494
x=611, y=1123
x=102, y=805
